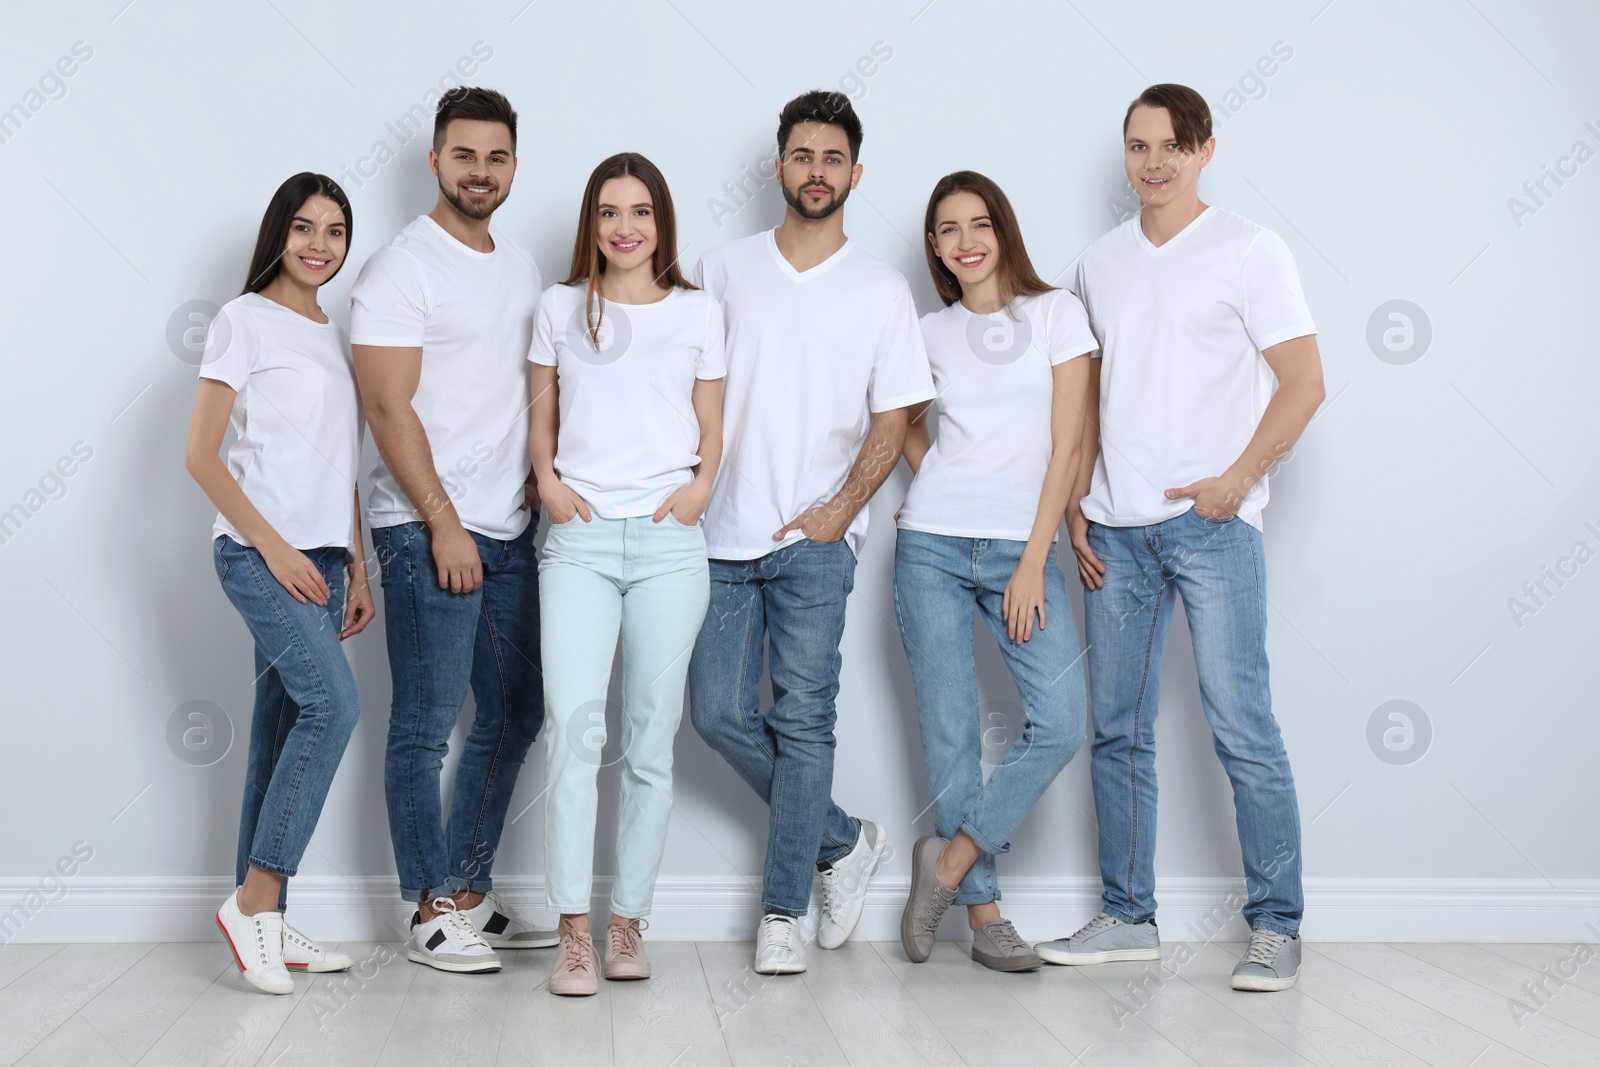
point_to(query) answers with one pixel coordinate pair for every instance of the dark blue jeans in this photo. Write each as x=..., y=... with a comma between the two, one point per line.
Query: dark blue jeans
x=306, y=705
x=440, y=644
x=792, y=602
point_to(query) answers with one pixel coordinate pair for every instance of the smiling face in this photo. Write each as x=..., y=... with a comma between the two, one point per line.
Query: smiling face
x=816, y=171
x=1161, y=170
x=475, y=166
x=625, y=223
x=964, y=237
x=316, y=243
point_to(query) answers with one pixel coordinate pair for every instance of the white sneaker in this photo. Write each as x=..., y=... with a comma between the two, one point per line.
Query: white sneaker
x=449, y=942
x=300, y=953
x=844, y=885
x=778, y=946
x=257, y=943
x=498, y=923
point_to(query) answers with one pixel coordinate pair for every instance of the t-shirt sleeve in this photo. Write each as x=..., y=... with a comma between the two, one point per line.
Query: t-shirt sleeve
x=232, y=348
x=542, y=350
x=697, y=277
x=900, y=374
x=388, y=303
x=1080, y=288
x=1273, y=305
x=712, y=363
x=1067, y=332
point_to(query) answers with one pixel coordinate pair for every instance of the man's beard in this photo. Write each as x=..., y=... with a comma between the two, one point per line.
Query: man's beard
x=467, y=207
x=813, y=212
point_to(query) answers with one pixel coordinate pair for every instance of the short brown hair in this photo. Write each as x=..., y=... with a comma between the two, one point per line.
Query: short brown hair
x=825, y=108
x=471, y=102
x=1191, y=115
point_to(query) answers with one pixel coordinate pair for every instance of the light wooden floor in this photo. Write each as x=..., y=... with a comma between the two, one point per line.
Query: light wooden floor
x=1443, y=1004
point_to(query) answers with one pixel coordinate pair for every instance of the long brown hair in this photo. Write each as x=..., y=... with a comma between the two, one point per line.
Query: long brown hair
x=588, y=263
x=1017, y=276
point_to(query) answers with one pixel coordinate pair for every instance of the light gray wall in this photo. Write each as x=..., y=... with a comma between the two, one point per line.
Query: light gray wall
x=1389, y=149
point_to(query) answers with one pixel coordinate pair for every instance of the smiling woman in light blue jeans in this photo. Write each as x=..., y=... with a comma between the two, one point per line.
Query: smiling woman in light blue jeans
x=977, y=533
x=626, y=433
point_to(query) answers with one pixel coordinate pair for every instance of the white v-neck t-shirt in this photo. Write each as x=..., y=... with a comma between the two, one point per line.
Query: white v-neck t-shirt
x=1183, y=384
x=471, y=313
x=296, y=419
x=811, y=357
x=985, y=470
x=629, y=436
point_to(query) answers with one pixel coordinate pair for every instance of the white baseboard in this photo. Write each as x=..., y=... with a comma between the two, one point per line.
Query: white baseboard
x=725, y=909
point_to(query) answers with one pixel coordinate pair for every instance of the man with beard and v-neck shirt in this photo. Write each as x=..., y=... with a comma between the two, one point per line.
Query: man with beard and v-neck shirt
x=825, y=357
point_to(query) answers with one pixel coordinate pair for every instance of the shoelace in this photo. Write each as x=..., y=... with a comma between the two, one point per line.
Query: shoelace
x=624, y=937
x=780, y=932
x=579, y=948
x=458, y=924
x=1094, y=926
x=928, y=921
x=1264, y=946
x=1006, y=938
x=832, y=894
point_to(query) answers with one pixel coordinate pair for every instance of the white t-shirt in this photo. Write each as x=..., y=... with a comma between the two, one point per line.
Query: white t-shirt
x=1182, y=381
x=471, y=313
x=811, y=357
x=629, y=436
x=296, y=419
x=984, y=473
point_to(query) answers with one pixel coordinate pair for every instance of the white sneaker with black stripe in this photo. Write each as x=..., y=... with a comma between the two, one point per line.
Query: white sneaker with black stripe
x=448, y=942
x=498, y=923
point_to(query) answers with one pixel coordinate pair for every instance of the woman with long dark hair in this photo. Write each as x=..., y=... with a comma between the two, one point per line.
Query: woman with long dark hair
x=277, y=370
x=978, y=530
x=626, y=436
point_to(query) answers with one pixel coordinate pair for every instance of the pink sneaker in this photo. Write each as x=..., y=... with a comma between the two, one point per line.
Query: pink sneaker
x=625, y=958
x=576, y=965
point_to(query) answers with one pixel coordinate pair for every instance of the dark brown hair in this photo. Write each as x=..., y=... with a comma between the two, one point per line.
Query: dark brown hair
x=1017, y=276
x=588, y=262
x=471, y=102
x=273, y=237
x=827, y=108
x=1191, y=115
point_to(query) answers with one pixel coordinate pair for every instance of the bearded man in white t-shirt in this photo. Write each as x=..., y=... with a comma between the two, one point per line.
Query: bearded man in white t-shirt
x=1198, y=313
x=824, y=357
x=440, y=322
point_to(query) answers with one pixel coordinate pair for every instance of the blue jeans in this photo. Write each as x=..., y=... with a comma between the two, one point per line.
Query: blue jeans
x=791, y=600
x=440, y=644
x=306, y=705
x=938, y=581
x=645, y=581
x=1217, y=568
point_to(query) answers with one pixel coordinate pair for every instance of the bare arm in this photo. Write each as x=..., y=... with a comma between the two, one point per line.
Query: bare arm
x=918, y=440
x=1024, y=593
x=878, y=456
x=1298, y=366
x=544, y=425
x=1090, y=569
x=388, y=379
x=689, y=502
x=213, y=404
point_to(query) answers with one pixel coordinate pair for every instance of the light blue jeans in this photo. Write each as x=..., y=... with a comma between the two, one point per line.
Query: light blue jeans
x=938, y=581
x=647, y=581
x=305, y=708
x=1217, y=568
x=786, y=608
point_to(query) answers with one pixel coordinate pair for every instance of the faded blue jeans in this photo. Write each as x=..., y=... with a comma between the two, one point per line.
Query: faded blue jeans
x=938, y=581
x=306, y=705
x=1218, y=570
x=792, y=602
x=440, y=644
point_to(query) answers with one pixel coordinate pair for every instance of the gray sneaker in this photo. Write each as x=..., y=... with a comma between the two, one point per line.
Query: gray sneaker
x=1271, y=963
x=1104, y=940
x=999, y=947
x=928, y=902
